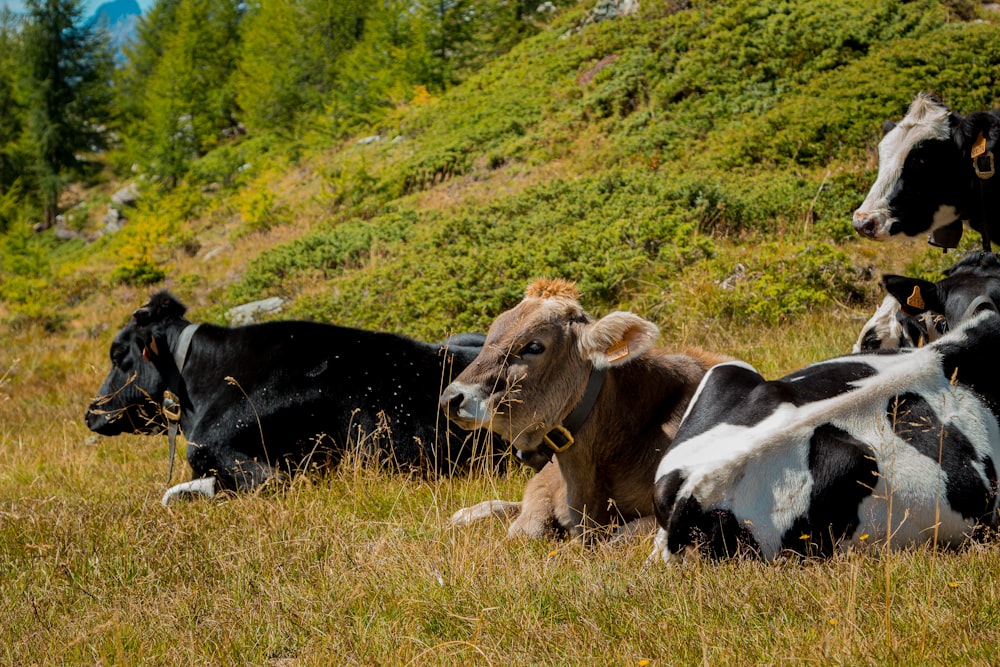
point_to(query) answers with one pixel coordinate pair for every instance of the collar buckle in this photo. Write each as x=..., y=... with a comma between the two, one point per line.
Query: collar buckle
x=564, y=437
x=984, y=166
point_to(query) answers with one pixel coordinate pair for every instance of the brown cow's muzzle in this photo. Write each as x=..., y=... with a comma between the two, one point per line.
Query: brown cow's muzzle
x=463, y=405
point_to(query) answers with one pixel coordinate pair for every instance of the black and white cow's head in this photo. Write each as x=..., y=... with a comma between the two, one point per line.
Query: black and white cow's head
x=915, y=311
x=926, y=173
x=130, y=399
x=969, y=287
x=892, y=329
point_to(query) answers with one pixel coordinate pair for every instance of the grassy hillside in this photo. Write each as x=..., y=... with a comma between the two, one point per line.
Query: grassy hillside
x=648, y=158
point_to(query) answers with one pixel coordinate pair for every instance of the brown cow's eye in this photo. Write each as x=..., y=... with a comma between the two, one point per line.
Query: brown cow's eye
x=534, y=347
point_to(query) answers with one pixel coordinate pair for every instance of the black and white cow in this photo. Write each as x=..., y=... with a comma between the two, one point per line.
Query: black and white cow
x=890, y=328
x=883, y=448
x=264, y=400
x=915, y=312
x=935, y=170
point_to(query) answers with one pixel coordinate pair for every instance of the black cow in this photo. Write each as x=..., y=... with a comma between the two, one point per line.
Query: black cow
x=264, y=400
x=935, y=170
x=899, y=446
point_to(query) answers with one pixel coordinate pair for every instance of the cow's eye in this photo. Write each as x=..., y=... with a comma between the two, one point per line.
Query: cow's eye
x=534, y=347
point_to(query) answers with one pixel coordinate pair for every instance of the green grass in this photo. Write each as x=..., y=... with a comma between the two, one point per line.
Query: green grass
x=361, y=567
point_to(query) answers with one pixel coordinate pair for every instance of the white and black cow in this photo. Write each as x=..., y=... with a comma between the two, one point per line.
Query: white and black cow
x=935, y=170
x=890, y=328
x=264, y=400
x=915, y=312
x=897, y=447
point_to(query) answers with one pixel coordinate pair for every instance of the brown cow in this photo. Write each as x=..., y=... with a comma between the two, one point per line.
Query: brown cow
x=597, y=394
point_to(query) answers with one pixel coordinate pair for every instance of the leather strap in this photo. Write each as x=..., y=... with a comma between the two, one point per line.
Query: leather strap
x=560, y=437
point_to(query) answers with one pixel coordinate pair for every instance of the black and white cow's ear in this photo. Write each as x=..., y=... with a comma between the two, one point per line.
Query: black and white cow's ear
x=915, y=296
x=888, y=127
x=979, y=132
x=617, y=338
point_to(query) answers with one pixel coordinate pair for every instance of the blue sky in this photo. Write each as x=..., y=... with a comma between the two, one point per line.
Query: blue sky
x=88, y=5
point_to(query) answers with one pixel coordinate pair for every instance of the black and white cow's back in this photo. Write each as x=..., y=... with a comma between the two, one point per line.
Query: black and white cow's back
x=864, y=449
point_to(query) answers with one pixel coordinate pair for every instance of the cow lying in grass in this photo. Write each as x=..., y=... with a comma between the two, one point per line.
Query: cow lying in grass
x=909, y=318
x=265, y=400
x=879, y=448
x=596, y=394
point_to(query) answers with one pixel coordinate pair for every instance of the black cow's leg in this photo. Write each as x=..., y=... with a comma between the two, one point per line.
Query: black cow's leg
x=232, y=470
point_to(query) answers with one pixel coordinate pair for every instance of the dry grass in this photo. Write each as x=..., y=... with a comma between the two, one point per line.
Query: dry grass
x=360, y=567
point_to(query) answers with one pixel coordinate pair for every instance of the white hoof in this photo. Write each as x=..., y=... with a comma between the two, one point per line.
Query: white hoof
x=203, y=485
x=484, y=510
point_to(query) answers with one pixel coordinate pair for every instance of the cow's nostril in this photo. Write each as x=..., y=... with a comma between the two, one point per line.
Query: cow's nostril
x=451, y=400
x=866, y=225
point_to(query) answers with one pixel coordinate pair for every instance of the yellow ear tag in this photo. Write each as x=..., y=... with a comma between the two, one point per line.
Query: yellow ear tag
x=617, y=351
x=915, y=300
x=979, y=147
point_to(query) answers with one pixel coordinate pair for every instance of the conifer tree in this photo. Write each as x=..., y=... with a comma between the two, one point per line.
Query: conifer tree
x=187, y=96
x=12, y=158
x=66, y=91
x=290, y=56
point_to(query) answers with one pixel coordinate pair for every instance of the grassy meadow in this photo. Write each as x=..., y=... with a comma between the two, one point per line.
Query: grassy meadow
x=361, y=567
x=697, y=164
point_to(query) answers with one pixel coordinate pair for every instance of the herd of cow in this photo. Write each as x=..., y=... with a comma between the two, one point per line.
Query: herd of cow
x=895, y=444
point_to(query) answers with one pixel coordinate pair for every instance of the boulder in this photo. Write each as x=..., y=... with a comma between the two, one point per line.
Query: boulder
x=251, y=312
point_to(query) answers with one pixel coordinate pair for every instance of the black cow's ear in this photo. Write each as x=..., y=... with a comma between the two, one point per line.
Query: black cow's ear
x=976, y=127
x=142, y=315
x=887, y=127
x=914, y=295
x=161, y=306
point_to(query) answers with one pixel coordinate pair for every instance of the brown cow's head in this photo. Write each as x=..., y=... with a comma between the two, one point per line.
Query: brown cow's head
x=535, y=365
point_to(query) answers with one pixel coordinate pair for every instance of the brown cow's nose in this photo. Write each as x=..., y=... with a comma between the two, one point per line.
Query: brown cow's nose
x=451, y=400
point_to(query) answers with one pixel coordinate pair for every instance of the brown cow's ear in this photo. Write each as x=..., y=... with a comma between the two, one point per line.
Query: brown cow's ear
x=617, y=338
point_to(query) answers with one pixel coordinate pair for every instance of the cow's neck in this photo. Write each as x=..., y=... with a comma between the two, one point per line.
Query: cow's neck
x=629, y=429
x=179, y=343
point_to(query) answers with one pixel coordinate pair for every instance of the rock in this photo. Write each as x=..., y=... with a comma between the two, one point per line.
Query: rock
x=64, y=232
x=113, y=221
x=249, y=313
x=127, y=196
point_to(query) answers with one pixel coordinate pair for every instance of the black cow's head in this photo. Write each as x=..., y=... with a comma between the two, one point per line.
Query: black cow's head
x=971, y=286
x=924, y=175
x=129, y=400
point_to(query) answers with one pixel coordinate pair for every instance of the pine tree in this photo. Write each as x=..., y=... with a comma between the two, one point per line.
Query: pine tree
x=67, y=93
x=12, y=158
x=290, y=56
x=187, y=97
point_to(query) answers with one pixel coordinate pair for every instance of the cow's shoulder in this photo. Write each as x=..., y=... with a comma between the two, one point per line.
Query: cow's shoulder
x=719, y=397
